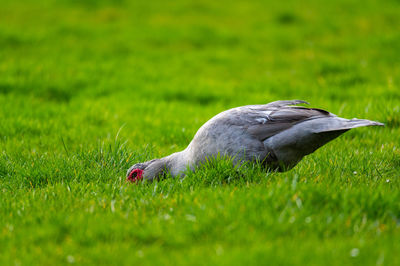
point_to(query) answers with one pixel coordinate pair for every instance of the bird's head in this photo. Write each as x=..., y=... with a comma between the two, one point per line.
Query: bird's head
x=147, y=170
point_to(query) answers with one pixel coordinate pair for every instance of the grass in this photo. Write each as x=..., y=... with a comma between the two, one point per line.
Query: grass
x=87, y=88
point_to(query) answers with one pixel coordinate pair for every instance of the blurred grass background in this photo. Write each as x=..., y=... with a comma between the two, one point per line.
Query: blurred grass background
x=74, y=73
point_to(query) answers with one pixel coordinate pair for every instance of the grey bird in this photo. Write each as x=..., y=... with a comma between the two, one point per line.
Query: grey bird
x=277, y=134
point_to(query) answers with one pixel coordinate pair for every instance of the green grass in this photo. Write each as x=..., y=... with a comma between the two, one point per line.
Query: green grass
x=87, y=88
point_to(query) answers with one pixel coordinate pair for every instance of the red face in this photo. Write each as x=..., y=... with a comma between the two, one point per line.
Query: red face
x=135, y=175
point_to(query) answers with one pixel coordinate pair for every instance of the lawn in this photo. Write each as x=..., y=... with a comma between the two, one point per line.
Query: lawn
x=88, y=88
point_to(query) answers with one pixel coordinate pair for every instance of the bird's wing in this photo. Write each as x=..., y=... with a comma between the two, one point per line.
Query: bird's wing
x=281, y=119
x=264, y=121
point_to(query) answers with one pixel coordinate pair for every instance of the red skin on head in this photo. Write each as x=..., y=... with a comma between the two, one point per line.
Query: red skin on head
x=135, y=175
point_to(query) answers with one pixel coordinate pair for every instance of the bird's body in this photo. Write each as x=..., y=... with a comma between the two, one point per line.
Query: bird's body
x=277, y=135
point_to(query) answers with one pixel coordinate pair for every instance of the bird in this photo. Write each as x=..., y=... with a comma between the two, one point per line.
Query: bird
x=277, y=135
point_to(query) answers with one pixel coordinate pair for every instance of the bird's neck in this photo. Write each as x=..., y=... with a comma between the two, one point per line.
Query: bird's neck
x=177, y=163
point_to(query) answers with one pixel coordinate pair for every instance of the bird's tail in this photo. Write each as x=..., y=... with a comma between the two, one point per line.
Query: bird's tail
x=341, y=124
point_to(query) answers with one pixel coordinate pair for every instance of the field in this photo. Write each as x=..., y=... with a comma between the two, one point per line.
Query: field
x=87, y=88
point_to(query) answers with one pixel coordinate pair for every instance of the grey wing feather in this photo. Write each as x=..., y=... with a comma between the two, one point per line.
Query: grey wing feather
x=262, y=132
x=282, y=119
